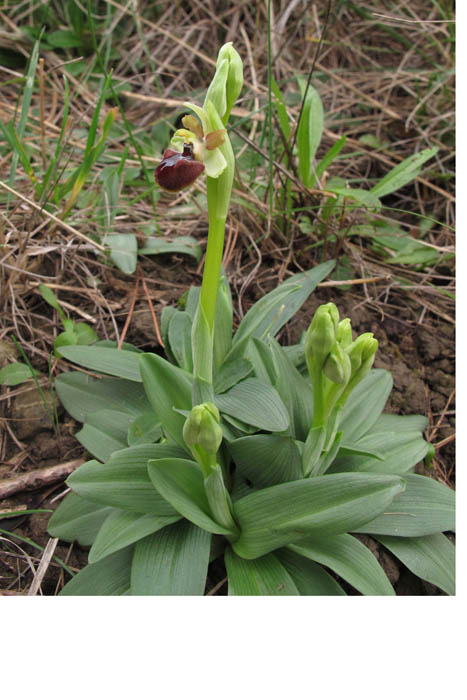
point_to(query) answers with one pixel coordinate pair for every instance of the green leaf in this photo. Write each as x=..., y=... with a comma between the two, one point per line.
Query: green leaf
x=267, y=460
x=281, y=109
x=403, y=173
x=144, y=430
x=109, y=576
x=432, y=558
x=15, y=373
x=167, y=388
x=180, y=482
x=81, y=395
x=262, y=576
x=65, y=339
x=121, y=529
x=231, y=373
x=350, y=560
x=85, y=334
x=179, y=336
x=118, y=363
x=48, y=296
x=254, y=403
x=222, y=322
x=310, y=578
x=362, y=197
x=63, y=39
x=173, y=561
x=295, y=392
x=425, y=508
x=123, y=251
x=397, y=453
x=319, y=506
x=123, y=482
x=327, y=159
x=310, y=130
x=183, y=244
x=391, y=422
x=274, y=309
x=104, y=432
x=364, y=405
x=77, y=520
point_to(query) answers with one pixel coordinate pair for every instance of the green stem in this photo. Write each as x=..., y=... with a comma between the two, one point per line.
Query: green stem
x=212, y=265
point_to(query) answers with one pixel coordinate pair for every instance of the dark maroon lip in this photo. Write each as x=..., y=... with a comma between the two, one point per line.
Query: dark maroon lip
x=177, y=170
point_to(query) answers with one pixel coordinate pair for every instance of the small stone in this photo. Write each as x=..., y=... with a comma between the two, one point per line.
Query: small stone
x=29, y=414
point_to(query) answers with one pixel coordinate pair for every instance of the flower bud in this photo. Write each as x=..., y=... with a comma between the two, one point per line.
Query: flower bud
x=202, y=429
x=337, y=366
x=321, y=335
x=234, y=78
x=361, y=350
x=344, y=333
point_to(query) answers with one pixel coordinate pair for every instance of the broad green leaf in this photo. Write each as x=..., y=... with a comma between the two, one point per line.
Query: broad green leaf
x=425, y=508
x=263, y=576
x=183, y=244
x=85, y=334
x=167, y=388
x=254, y=403
x=231, y=373
x=179, y=335
x=403, y=173
x=122, y=528
x=65, y=339
x=123, y=482
x=77, y=520
x=310, y=578
x=222, y=322
x=350, y=560
x=295, y=392
x=180, y=482
x=260, y=355
x=15, y=373
x=362, y=197
x=274, y=309
x=310, y=130
x=173, y=561
x=267, y=460
x=391, y=422
x=109, y=576
x=327, y=159
x=104, y=432
x=144, y=430
x=123, y=251
x=397, y=453
x=364, y=405
x=118, y=363
x=63, y=39
x=432, y=558
x=321, y=506
x=81, y=395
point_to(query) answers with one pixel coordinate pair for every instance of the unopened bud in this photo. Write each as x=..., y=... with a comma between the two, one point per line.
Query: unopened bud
x=361, y=351
x=344, y=332
x=337, y=367
x=202, y=429
x=321, y=335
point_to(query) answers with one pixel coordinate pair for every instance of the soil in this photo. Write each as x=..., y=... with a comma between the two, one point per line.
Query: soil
x=420, y=357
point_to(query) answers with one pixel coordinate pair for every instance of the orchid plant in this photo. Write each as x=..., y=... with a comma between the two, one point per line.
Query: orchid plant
x=266, y=461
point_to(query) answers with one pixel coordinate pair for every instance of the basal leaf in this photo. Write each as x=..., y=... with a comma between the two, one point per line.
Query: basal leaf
x=173, y=561
x=267, y=460
x=426, y=507
x=309, y=577
x=118, y=363
x=348, y=558
x=263, y=576
x=256, y=404
x=181, y=484
x=320, y=506
x=104, y=432
x=109, y=576
x=123, y=482
x=167, y=388
x=122, y=528
x=431, y=557
x=364, y=405
x=77, y=520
